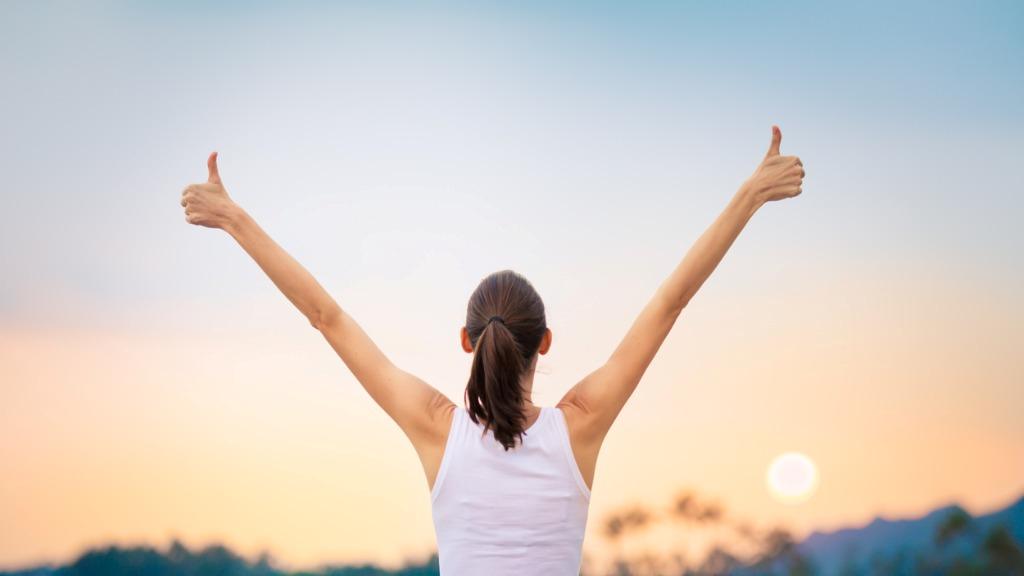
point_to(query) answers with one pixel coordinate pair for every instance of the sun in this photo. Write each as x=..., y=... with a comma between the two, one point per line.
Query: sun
x=792, y=478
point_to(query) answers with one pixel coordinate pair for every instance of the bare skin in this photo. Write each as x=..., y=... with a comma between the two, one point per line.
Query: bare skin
x=423, y=413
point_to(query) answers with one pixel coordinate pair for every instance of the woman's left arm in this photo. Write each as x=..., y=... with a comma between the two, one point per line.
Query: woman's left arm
x=413, y=404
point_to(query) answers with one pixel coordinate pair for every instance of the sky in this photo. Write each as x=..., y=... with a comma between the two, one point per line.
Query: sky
x=154, y=385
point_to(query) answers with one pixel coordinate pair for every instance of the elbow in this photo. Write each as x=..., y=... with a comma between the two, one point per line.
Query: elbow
x=680, y=303
x=322, y=319
x=673, y=307
x=680, y=306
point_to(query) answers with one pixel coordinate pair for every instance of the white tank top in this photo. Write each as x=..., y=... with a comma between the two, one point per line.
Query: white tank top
x=516, y=513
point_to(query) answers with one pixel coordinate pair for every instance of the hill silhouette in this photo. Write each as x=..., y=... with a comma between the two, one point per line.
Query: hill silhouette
x=948, y=532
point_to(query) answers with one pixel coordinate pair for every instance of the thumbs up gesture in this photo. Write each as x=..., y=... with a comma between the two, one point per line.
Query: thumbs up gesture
x=207, y=204
x=778, y=177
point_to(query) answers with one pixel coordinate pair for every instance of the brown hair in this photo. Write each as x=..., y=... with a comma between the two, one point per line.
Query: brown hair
x=505, y=323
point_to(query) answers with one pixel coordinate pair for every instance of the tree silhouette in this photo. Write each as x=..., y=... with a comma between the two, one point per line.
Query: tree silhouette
x=1004, y=553
x=767, y=551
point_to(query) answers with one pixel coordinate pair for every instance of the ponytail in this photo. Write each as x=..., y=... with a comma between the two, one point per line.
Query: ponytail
x=505, y=323
x=494, y=392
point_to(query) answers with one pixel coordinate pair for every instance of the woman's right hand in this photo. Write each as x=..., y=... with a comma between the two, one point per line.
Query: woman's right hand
x=208, y=204
x=778, y=177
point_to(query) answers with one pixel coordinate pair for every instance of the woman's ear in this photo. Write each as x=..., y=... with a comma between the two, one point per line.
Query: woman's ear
x=545, y=342
x=465, y=341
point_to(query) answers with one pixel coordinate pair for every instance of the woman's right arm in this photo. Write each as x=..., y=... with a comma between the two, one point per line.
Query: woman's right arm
x=592, y=405
x=413, y=404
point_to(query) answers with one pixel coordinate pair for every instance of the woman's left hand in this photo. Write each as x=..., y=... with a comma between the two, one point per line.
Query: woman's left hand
x=208, y=204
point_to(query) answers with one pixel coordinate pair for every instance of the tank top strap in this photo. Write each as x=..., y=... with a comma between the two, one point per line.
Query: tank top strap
x=456, y=436
x=570, y=459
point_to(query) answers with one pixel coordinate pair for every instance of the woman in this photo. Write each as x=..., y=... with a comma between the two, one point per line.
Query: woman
x=510, y=481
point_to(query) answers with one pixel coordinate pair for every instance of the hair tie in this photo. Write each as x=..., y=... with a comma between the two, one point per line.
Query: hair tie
x=498, y=318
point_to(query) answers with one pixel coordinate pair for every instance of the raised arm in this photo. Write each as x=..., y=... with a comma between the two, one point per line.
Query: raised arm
x=412, y=403
x=593, y=404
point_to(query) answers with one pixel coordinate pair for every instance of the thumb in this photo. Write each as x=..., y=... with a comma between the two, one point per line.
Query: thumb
x=773, y=150
x=212, y=165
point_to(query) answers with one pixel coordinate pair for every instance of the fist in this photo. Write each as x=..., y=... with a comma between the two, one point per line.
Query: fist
x=208, y=204
x=778, y=177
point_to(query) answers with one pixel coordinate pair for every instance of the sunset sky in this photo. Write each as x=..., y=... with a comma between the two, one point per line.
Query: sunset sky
x=154, y=384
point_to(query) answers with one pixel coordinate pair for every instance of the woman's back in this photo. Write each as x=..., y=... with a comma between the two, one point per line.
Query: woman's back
x=518, y=511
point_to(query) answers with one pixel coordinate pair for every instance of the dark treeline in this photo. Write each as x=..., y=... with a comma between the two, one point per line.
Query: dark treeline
x=215, y=560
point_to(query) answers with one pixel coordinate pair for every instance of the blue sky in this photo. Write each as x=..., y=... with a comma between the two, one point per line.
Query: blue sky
x=402, y=151
x=908, y=116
